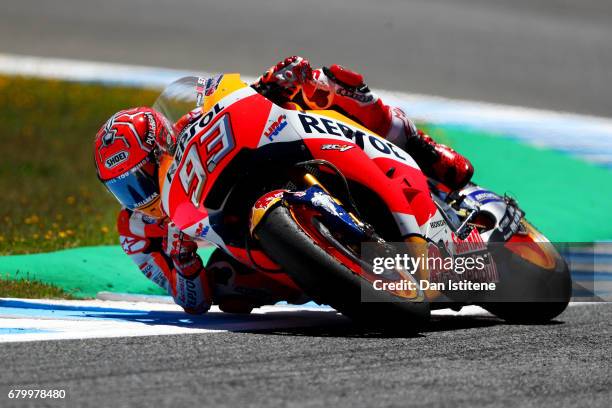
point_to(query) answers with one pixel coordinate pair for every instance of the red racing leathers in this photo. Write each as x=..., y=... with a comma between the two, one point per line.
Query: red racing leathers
x=167, y=257
x=340, y=89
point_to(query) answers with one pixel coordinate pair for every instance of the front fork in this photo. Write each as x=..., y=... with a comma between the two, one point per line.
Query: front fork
x=335, y=217
x=315, y=196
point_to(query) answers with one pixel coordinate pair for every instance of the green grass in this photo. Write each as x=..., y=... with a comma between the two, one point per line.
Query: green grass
x=566, y=198
x=50, y=197
x=31, y=289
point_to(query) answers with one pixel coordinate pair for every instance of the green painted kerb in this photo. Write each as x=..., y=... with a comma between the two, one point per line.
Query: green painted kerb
x=568, y=199
x=84, y=271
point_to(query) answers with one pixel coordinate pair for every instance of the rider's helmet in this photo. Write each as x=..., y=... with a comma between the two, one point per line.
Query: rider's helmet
x=126, y=153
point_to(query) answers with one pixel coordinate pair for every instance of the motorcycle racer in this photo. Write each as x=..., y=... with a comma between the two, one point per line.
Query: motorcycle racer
x=128, y=150
x=293, y=80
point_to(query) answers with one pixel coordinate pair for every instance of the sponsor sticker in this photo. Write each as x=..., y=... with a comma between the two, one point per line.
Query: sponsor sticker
x=262, y=205
x=116, y=159
x=200, y=91
x=358, y=96
x=484, y=196
x=312, y=124
x=212, y=84
x=152, y=129
x=339, y=147
x=437, y=224
x=276, y=127
x=202, y=230
x=472, y=243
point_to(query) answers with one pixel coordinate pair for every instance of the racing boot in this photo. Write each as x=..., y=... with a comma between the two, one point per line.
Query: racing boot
x=439, y=161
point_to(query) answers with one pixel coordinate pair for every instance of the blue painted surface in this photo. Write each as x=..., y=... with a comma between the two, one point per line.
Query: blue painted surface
x=18, y=330
x=26, y=309
x=592, y=276
x=40, y=310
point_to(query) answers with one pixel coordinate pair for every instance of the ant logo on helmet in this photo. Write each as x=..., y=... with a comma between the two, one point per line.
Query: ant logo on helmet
x=109, y=138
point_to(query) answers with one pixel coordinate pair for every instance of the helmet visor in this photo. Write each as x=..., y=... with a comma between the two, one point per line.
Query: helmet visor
x=136, y=188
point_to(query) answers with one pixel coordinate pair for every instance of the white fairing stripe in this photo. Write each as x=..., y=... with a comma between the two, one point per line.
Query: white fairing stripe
x=203, y=231
x=236, y=96
x=436, y=228
x=407, y=224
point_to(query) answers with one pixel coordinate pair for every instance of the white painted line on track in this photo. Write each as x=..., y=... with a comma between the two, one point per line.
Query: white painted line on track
x=34, y=320
x=38, y=320
x=586, y=137
x=88, y=71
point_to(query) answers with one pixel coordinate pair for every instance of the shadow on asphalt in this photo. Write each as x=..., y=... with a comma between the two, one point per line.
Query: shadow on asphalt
x=348, y=329
x=312, y=323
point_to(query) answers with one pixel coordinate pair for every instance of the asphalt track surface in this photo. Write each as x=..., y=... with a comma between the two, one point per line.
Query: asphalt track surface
x=458, y=361
x=552, y=54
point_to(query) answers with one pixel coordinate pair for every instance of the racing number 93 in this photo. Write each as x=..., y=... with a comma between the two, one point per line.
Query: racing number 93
x=217, y=142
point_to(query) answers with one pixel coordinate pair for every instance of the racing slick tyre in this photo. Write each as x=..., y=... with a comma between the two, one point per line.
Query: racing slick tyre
x=534, y=295
x=328, y=281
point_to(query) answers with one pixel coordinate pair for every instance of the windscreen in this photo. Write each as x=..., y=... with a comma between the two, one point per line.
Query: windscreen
x=178, y=98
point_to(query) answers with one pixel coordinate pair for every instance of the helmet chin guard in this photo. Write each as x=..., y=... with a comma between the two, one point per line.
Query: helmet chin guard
x=153, y=209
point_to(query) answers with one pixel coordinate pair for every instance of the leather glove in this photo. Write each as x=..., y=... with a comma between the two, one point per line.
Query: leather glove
x=182, y=250
x=285, y=79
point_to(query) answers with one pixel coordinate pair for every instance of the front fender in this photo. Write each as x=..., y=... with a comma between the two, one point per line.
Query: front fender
x=402, y=188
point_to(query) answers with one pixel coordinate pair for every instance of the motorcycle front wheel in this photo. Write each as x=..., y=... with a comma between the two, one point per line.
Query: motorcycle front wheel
x=307, y=256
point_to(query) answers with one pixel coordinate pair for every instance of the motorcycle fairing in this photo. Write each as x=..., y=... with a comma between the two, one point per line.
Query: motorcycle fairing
x=205, y=147
x=383, y=167
x=229, y=106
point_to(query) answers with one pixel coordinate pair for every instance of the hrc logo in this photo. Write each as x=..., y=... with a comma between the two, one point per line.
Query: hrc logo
x=278, y=125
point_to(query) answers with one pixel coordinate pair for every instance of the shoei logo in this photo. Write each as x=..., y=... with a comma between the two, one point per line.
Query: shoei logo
x=116, y=158
x=363, y=97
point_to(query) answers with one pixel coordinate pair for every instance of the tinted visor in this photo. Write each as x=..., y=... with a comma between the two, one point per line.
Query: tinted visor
x=136, y=188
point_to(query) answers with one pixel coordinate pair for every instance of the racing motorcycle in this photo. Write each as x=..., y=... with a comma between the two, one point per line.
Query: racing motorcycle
x=308, y=193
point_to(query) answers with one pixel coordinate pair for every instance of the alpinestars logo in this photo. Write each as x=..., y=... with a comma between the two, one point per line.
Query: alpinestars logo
x=363, y=97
